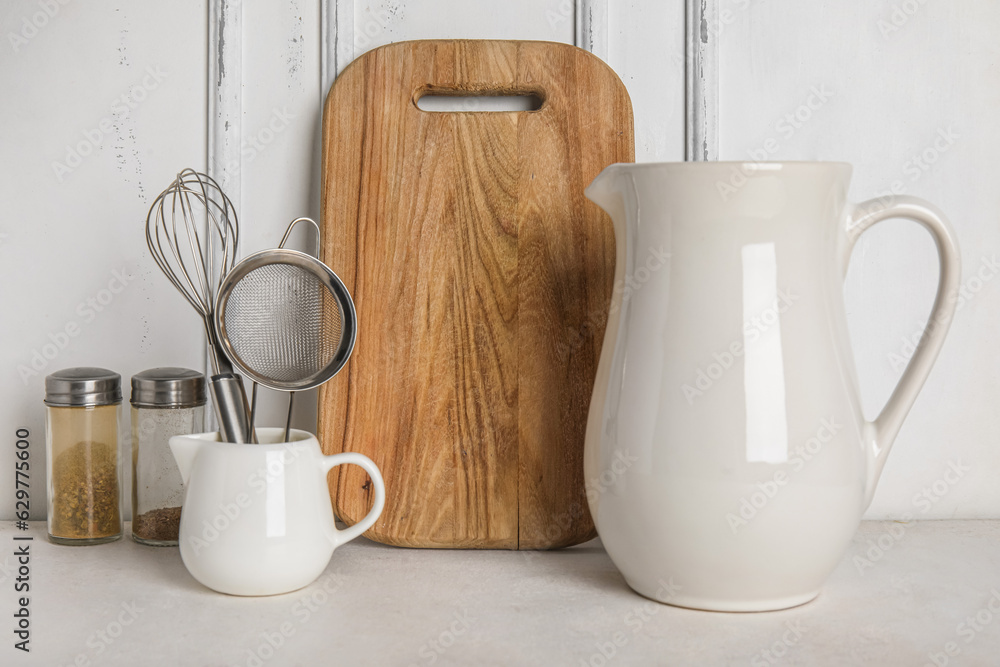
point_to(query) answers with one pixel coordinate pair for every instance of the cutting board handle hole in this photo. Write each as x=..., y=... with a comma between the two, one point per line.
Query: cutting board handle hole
x=436, y=100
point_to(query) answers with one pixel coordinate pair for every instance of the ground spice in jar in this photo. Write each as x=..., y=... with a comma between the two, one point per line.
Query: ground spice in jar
x=85, y=492
x=160, y=525
x=166, y=402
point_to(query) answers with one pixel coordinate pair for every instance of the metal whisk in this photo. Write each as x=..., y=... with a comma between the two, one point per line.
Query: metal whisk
x=196, y=265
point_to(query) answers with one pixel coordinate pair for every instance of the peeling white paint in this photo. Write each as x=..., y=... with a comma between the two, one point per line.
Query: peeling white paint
x=702, y=75
x=225, y=96
x=592, y=26
x=295, y=48
x=225, y=109
x=116, y=92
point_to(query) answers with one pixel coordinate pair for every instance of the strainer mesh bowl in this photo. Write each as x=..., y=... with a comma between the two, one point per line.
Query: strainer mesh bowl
x=283, y=323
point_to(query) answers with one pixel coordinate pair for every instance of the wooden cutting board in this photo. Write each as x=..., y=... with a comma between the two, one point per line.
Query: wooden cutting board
x=481, y=277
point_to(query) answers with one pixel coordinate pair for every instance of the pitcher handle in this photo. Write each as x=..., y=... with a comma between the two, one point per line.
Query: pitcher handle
x=881, y=433
x=328, y=463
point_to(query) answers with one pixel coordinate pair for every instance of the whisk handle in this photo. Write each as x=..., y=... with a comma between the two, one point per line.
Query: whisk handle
x=231, y=408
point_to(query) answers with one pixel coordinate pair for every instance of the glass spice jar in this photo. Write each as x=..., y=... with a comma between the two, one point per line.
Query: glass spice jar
x=165, y=402
x=83, y=407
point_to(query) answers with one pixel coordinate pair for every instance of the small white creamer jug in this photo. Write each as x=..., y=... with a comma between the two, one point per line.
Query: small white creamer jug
x=725, y=431
x=257, y=519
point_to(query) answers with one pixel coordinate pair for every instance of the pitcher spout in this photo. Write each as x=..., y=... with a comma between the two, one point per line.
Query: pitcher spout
x=606, y=191
x=185, y=449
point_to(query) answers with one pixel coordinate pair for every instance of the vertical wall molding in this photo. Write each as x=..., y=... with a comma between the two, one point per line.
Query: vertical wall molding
x=327, y=45
x=702, y=79
x=225, y=110
x=337, y=37
x=225, y=94
x=592, y=27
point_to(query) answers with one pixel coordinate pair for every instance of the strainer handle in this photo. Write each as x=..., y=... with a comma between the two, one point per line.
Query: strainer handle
x=328, y=463
x=291, y=226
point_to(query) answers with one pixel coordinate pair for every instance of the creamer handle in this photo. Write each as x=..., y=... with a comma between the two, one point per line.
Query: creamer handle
x=328, y=463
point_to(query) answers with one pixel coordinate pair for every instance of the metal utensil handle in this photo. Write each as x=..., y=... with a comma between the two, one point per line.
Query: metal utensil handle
x=231, y=409
x=288, y=419
x=291, y=226
x=291, y=396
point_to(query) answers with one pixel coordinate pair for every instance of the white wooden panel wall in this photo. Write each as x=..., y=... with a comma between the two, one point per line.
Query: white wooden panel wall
x=282, y=99
x=290, y=53
x=242, y=97
x=103, y=102
x=909, y=92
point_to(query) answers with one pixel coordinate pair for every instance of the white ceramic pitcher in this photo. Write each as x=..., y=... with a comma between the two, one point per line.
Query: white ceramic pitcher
x=727, y=458
x=257, y=519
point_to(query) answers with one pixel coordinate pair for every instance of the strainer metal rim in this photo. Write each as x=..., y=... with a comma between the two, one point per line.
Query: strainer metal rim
x=349, y=318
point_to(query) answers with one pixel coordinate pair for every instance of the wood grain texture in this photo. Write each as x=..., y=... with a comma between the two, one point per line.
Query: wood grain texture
x=481, y=277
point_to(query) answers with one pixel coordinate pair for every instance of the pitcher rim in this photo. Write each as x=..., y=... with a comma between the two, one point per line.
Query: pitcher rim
x=775, y=164
x=213, y=437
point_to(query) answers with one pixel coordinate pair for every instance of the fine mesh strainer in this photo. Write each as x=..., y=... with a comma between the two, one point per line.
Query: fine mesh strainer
x=286, y=320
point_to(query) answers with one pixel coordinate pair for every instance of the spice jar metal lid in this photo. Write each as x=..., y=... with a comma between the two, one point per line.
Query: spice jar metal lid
x=168, y=388
x=83, y=387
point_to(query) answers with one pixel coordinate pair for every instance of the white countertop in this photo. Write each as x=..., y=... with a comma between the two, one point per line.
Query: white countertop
x=379, y=605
